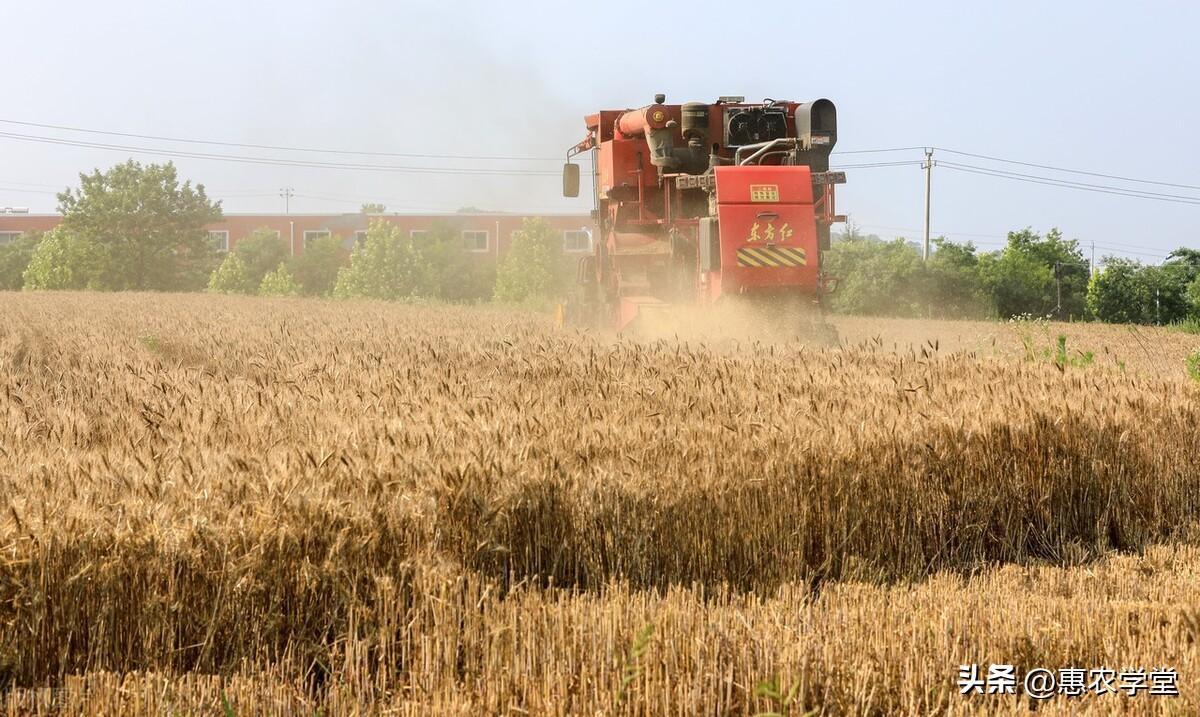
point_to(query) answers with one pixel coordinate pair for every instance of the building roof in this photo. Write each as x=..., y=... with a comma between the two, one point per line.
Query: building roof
x=359, y=214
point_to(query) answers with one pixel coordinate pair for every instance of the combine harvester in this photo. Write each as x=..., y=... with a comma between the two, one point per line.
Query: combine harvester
x=722, y=208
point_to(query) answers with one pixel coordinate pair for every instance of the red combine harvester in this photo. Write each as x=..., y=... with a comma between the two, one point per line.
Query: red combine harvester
x=708, y=205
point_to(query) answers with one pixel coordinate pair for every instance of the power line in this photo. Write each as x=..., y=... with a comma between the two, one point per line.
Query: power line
x=869, y=165
x=877, y=151
x=270, y=161
x=1082, y=185
x=363, y=153
x=281, y=148
x=1137, y=251
x=483, y=157
x=28, y=191
x=1049, y=181
x=1071, y=171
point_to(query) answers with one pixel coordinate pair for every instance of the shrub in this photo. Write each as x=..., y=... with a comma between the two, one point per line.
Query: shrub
x=63, y=260
x=530, y=269
x=230, y=277
x=14, y=260
x=316, y=270
x=279, y=283
x=453, y=273
x=262, y=252
x=383, y=266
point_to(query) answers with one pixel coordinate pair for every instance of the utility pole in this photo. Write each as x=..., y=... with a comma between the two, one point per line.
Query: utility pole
x=286, y=193
x=1058, y=288
x=1093, y=267
x=928, y=189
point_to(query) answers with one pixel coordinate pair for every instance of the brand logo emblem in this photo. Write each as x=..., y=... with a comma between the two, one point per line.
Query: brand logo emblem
x=768, y=234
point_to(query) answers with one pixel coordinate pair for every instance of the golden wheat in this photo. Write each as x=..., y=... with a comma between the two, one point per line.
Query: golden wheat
x=365, y=507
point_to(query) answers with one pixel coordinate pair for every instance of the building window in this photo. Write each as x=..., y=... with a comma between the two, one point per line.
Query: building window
x=476, y=240
x=311, y=235
x=359, y=238
x=219, y=239
x=577, y=240
x=9, y=237
x=418, y=234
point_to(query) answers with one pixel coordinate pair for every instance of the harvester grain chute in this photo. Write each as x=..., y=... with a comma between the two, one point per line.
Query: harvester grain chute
x=724, y=207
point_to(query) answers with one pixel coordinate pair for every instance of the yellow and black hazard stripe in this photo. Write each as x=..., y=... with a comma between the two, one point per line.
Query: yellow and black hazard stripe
x=758, y=256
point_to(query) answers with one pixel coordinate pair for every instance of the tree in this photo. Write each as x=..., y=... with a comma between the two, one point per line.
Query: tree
x=150, y=226
x=1017, y=283
x=953, y=287
x=316, y=269
x=1193, y=295
x=372, y=208
x=14, y=259
x=452, y=273
x=1188, y=256
x=230, y=277
x=1029, y=275
x=279, y=283
x=65, y=261
x=1166, y=289
x=262, y=251
x=530, y=270
x=1120, y=294
x=875, y=276
x=383, y=266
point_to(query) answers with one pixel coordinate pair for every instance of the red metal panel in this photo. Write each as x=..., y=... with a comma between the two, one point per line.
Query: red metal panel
x=618, y=163
x=760, y=225
x=754, y=184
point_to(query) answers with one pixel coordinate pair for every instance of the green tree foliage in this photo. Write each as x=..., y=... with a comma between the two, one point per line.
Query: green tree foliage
x=1127, y=291
x=230, y=277
x=1119, y=294
x=1193, y=296
x=876, y=277
x=279, y=283
x=1167, y=291
x=953, y=288
x=262, y=251
x=316, y=269
x=63, y=260
x=1190, y=257
x=384, y=266
x=1025, y=277
x=530, y=270
x=14, y=259
x=1016, y=283
x=1182, y=272
x=150, y=227
x=453, y=273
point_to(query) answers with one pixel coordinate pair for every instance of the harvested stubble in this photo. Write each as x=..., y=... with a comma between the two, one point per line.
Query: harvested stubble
x=455, y=509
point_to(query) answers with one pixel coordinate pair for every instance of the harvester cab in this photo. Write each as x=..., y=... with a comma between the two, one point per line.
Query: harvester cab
x=714, y=206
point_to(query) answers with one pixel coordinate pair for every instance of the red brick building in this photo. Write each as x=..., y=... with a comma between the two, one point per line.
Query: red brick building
x=488, y=235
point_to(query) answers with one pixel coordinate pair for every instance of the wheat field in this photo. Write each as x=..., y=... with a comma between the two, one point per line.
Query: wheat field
x=219, y=505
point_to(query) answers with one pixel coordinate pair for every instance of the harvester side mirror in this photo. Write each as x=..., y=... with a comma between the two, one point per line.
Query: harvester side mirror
x=570, y=180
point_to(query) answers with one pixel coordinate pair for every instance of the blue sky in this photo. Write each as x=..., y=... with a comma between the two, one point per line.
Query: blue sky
x=1106, y=88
